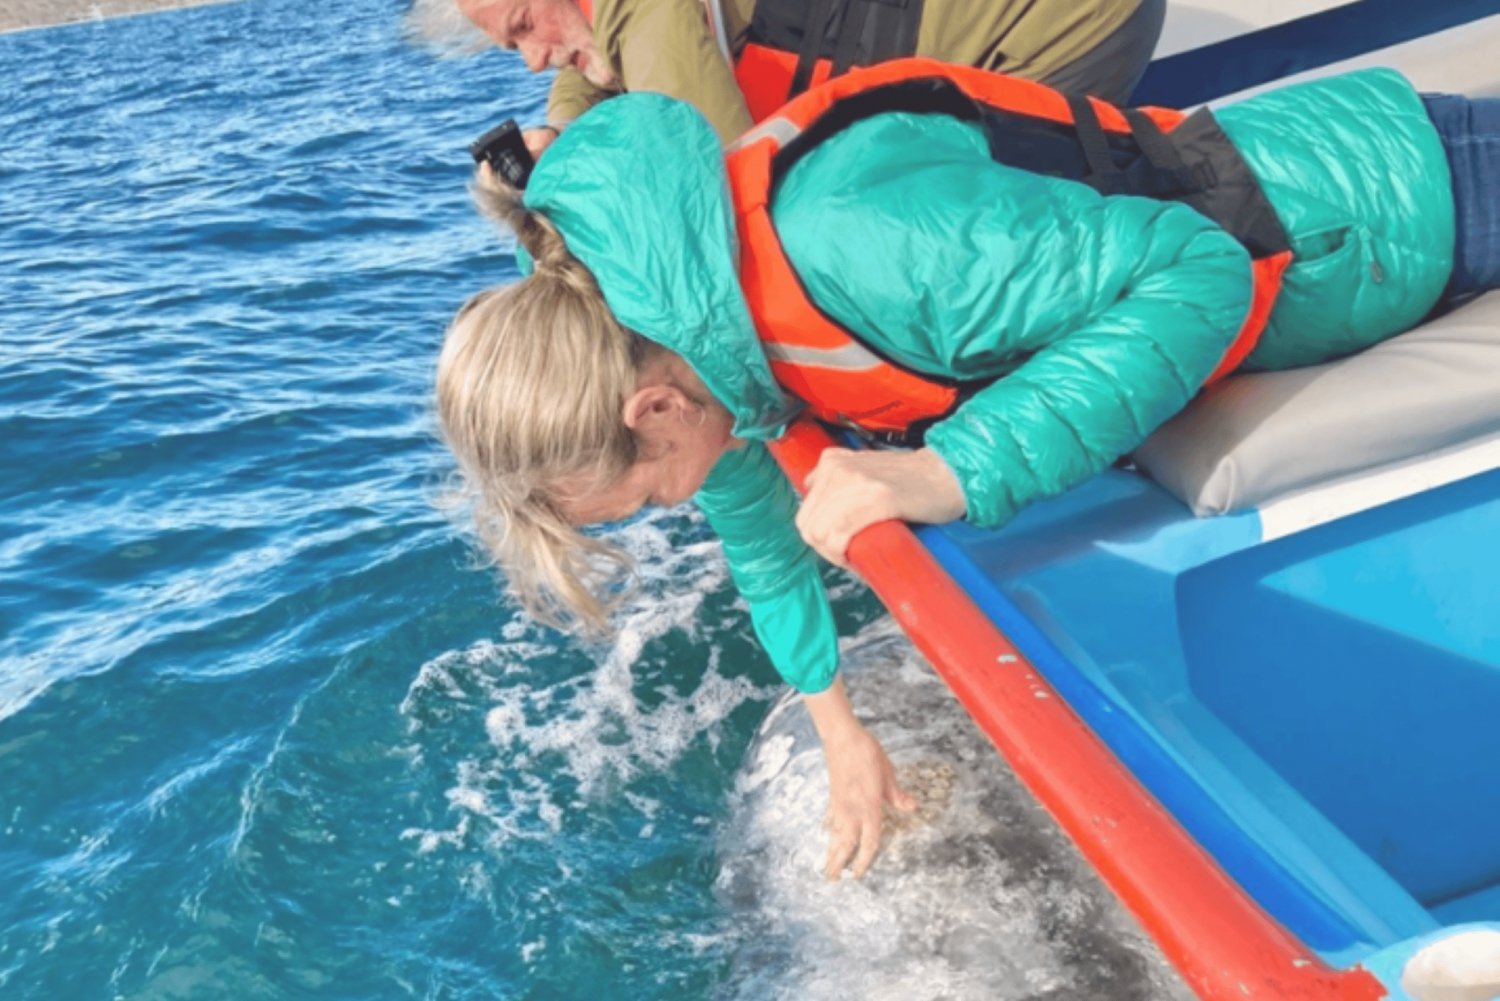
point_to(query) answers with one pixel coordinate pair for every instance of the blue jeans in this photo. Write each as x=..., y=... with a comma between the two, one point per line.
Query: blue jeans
x=1470, y=130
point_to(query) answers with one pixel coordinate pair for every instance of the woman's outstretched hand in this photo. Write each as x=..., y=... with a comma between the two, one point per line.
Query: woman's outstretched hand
x=848, y=491
x=860, y=782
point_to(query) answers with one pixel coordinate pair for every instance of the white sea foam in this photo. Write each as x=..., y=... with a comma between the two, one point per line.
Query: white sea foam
x=986, y=899
x=555, y=744
x=22, y=679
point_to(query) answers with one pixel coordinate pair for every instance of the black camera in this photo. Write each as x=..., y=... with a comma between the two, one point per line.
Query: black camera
x=505, y=151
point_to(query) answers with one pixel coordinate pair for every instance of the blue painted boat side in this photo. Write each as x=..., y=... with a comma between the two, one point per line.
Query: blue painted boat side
x=1316, y=39
x=1316, y=711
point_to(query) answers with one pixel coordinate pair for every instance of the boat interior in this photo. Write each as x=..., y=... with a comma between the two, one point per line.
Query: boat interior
x=1306, y=672
x=1318, y=704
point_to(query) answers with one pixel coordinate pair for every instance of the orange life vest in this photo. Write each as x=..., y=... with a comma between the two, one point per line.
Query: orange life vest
x=1031, y=126
x=792, y=45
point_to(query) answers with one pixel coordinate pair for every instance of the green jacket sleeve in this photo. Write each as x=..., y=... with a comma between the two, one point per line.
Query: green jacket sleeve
x=750, y=504
x=665, y=46
x=1100, y=316
x=1097, y=389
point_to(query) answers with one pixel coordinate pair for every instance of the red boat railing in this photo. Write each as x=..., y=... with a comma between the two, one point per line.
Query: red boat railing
x=1225, y=946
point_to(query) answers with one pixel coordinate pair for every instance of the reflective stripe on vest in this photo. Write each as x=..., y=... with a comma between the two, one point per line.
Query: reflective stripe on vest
x=844, y=381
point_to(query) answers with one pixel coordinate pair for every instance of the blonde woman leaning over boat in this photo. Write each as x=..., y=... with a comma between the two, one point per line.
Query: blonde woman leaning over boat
x=1064, y=324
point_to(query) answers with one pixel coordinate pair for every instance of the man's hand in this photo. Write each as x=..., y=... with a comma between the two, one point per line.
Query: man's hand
x=848, y=491
x=537, y=140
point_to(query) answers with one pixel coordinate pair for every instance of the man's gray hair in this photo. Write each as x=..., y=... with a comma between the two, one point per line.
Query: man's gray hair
x=440, y=24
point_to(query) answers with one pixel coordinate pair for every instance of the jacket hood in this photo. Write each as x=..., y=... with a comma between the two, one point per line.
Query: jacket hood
x=637, y=188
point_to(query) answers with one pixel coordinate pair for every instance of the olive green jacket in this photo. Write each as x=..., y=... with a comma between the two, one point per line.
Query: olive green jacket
x=665, y=46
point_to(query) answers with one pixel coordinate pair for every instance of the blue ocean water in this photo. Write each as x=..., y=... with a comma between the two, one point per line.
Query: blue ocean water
x=265, y=730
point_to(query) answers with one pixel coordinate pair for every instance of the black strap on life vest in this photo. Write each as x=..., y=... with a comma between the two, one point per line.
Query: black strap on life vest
x=926, y=95
x=1195, y=163
x=1223, y=187
x=916, y=434
x=1169, y=165
x=846, y=52
x=849, y=33
x=1104, y=174
x=814, y=22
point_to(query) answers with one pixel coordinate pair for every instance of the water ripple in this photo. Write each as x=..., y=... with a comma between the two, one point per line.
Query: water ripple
x=267, y=731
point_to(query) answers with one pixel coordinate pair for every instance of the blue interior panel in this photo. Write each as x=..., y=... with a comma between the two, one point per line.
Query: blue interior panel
x=1362, y=662
x=1319, y=711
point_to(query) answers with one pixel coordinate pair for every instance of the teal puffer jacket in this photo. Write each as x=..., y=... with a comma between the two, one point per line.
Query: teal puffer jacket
x=1104, y=315
x=1359, y=179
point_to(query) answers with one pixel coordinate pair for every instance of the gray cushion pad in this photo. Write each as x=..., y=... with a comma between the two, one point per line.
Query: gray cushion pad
x=1257, y=437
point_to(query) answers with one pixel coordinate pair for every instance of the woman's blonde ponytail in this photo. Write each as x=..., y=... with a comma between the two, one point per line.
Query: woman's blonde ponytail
x=533, y=231
x=531, y=386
